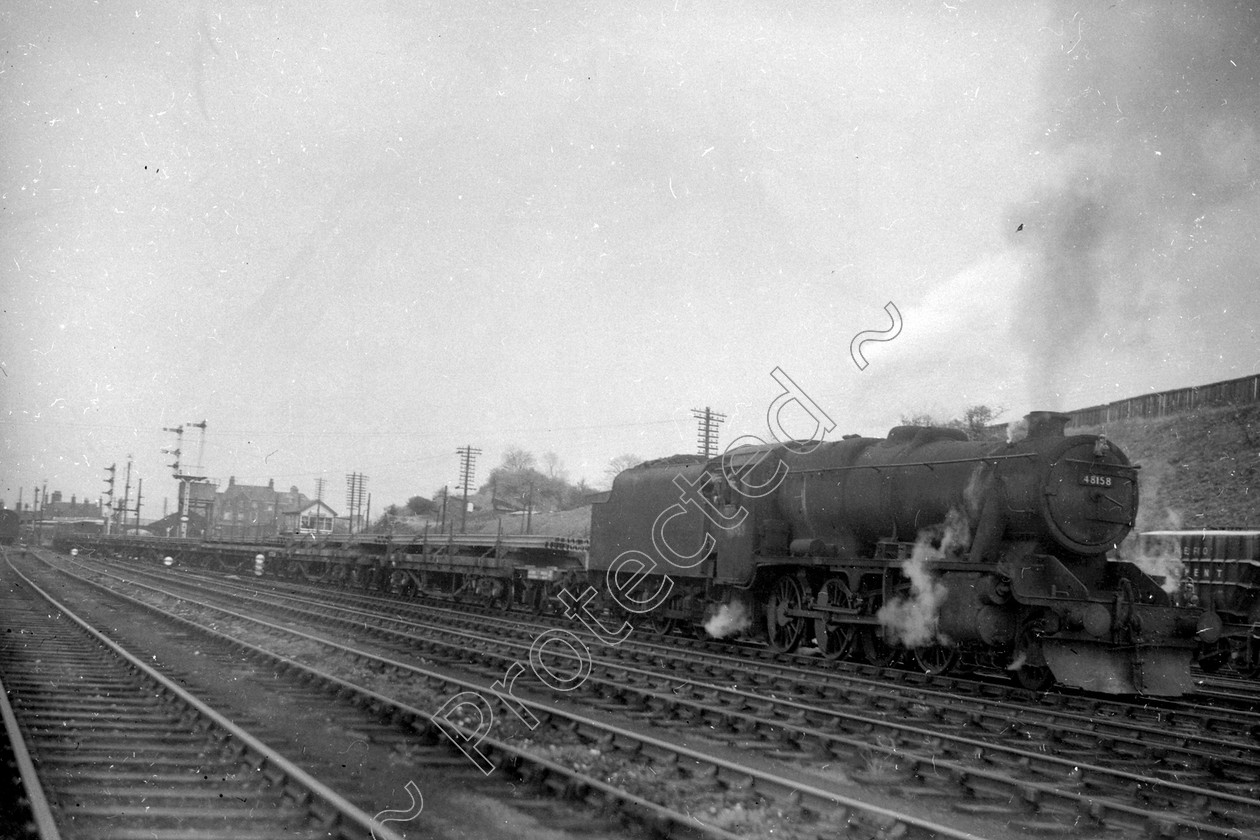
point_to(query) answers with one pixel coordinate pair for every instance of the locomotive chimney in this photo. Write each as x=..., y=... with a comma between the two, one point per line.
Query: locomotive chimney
x=1046, y=423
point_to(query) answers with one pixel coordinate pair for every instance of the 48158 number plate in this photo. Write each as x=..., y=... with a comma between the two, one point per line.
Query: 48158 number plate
x=1093, y=480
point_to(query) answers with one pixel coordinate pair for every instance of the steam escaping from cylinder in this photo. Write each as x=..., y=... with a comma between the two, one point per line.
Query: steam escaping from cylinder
x=730, y=619
x=1159, y=557
x=913, y=621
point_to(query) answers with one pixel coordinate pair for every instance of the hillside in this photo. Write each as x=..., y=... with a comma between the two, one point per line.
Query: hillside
x=1200, y=469
x=564, y=523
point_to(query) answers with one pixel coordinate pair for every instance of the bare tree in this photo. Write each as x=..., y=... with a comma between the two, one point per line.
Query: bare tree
x=975, y=421
x=516, y=459
x=619, y=464
x=552, y=465
x=919, y=418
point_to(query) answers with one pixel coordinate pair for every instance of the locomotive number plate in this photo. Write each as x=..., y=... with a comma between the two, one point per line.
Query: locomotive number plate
x=1096, y=480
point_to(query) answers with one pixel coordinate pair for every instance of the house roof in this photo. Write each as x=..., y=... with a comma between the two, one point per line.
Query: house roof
x=256, y=492
x=315, y=504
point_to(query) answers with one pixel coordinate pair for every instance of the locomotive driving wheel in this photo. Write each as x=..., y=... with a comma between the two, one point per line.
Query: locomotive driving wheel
x=874, y=648
x=936, y=658
x=835, y=639
x=784, y=632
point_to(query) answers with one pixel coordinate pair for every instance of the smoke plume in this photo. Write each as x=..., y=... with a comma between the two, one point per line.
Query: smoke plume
x=1152, y=128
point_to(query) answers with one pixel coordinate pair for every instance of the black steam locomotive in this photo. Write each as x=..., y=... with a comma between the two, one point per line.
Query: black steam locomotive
x=922, y=544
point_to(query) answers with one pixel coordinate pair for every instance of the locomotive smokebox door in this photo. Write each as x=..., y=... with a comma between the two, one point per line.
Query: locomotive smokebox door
x=1090, y=500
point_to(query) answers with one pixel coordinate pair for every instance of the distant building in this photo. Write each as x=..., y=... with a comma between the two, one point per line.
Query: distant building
x=53, y=514
x=71, y=509
x=245, y=511
x=312, y=518
x=168, y=526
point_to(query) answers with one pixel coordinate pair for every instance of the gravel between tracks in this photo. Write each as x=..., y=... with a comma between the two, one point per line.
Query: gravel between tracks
x=369, y=763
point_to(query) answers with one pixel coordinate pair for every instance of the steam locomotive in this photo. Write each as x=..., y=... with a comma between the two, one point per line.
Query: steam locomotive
x=922, y=544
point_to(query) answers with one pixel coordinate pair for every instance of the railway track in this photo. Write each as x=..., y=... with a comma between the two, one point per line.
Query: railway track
x=707, y=781
x=1078, y=774
x=108, y=747
x=1221, y=710
x=532, y=799
x=1213, y=716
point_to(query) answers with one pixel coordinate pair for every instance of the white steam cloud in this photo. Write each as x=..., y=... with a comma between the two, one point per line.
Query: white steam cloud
x=913, y=621
x=1159, y=557
x=728, y=620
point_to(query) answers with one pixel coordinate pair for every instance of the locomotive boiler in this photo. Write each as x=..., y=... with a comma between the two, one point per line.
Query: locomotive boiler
x=922, y=544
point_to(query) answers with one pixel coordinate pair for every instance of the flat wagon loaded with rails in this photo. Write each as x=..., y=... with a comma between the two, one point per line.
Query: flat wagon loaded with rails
x=496, y=570
x=923, y=546
x=1220, y=573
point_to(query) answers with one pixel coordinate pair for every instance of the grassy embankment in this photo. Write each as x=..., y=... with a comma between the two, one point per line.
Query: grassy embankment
x=1200, y=469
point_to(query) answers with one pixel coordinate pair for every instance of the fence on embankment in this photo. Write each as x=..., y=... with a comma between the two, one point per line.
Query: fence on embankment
x=1242, y=391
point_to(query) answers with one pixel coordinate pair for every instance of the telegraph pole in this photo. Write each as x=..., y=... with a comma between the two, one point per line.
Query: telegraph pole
x=139, y=487
x=109, y=482
x=126, y=499
x=707, y=437
x=467, y=466
x=529, y=509
x=355, y=483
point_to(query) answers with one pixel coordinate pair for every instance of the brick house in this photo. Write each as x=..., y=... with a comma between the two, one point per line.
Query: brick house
x=246, y=511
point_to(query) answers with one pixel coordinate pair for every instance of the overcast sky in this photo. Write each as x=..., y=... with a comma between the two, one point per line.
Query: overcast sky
x=355, y=236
